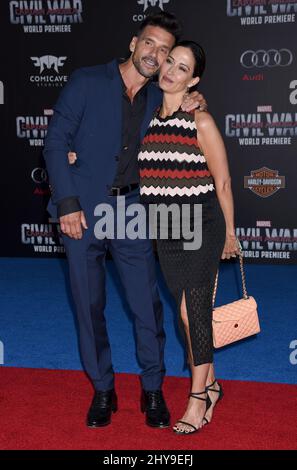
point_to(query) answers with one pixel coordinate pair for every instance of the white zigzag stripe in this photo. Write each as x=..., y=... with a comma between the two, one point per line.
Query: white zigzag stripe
x=180, y=157
x=193, y=190
x=174, y=122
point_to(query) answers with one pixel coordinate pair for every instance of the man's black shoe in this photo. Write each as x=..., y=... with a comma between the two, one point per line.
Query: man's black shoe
x=154, y=406
x=103, y=404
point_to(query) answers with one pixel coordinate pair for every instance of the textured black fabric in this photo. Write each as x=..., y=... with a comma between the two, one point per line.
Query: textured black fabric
x=68, y=206
x=193, y=272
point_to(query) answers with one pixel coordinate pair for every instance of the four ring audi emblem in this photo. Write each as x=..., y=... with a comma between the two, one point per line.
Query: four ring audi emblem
x=270, y=58
x=39, y=175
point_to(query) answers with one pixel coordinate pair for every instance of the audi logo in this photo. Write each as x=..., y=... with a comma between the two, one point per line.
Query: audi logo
x=270, y=58
x=39, y=175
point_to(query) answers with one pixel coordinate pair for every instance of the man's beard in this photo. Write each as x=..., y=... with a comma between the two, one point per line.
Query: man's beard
x=141, y=70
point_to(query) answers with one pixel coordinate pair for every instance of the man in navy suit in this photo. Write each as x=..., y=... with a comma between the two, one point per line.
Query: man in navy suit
x=102, y=114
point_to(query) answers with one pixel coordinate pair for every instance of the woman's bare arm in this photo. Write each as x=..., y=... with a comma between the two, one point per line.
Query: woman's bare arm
x=213, y=148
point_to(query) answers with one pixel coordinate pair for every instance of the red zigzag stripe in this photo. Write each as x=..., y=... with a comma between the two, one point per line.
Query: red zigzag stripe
x=176, y=139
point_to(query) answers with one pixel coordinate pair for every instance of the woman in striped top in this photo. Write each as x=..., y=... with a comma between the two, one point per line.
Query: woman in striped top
x=183, y=161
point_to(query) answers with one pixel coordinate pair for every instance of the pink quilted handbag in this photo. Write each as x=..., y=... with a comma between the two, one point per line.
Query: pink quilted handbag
x=236, y=320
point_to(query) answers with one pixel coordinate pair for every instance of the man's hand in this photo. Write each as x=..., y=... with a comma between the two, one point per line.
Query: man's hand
x=72, y=224
x=72, y=158
x=192, y=101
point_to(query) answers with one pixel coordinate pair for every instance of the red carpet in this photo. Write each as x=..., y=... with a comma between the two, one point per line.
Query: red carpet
x=44, y=409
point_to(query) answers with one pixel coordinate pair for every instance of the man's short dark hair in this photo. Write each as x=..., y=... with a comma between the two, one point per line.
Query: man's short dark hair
x=164, y=20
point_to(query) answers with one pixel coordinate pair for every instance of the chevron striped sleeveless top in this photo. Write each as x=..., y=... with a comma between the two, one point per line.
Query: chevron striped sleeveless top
x=172, y=166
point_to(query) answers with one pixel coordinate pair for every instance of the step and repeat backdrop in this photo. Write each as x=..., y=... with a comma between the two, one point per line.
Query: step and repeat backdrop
x=250, y=84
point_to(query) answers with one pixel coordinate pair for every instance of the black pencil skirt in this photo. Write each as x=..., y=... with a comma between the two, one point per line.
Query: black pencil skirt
x=193, y=272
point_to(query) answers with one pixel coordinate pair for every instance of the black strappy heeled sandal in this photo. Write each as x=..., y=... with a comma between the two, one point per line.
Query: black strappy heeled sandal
x=219, y=391
x=208, y=404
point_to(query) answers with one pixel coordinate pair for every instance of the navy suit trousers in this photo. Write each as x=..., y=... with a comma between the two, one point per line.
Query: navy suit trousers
x=134, y=260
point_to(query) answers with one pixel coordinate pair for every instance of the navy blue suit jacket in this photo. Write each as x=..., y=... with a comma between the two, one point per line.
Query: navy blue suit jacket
x=88, y=120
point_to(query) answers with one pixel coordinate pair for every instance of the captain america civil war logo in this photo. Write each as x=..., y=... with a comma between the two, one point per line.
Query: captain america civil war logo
x=266, y=242
x=263, y=127
x=32, y=128
x=43, y=238
x=261, y=12
x=46, y=16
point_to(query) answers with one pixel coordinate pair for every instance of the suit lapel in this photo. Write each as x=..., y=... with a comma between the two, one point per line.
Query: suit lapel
x=116, y=91
x=153, y=101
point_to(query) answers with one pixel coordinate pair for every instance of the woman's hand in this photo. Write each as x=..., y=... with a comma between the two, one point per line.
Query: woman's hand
x=231, y=248
x=72, y=157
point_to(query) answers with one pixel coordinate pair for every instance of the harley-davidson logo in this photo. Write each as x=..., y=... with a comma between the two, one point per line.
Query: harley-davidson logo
x=264, y=182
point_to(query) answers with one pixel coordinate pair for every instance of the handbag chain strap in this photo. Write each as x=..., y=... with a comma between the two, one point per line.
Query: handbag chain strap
x=243, y=281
